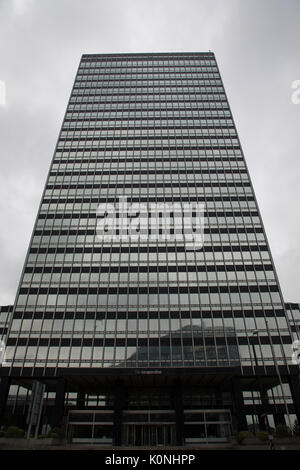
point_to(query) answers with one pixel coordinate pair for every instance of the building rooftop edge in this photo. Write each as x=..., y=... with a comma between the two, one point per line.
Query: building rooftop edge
x=134, y=54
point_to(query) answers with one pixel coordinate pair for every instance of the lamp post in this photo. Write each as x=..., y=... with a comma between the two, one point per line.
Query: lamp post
x=279, y=376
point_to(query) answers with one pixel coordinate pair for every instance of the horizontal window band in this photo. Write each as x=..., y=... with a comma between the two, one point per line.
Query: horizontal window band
x=136, y=56
x=151, y=128
x=203, y=83
x=129, y=138
x=93, y=67
x=169, y=341
x=132, y=72
x=119, y=342
x=180, y=70
x=158, y=70
x=216, y=98
x=157, y=56
x=206, y=80
x=141, y=159
x=147, y=249
x=145, y=315
x=142, y=106
x=127, y=183
x=93, y=215
x=144, y=56
x=129, y=148
x=149, y=106
x=119, y=123
x=149, y=268
x=123, y=342
x=200, y=89
x=115, y=185
x=218, y=112
x=147, y=290
x=163, y=118
x=179, y=171
x=130, y=199
x=211, y=75
x=138, y=78
x=142, y=96
x=209, y=230
x=114, y=86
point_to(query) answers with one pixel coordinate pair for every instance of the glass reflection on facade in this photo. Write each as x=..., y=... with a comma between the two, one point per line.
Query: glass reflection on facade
x=151, y=128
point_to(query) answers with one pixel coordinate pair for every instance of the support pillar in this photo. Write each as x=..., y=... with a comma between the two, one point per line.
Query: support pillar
x=179, y=412
x=261, y=422
x=294, y=382
x=238, y=400
x=119, y=403
x=4, y=390
x=59, y=403
x=80, y=402
x=263, y=418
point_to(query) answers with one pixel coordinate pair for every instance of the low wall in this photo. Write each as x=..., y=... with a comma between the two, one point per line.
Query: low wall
x=284, y=443
x=13, y=443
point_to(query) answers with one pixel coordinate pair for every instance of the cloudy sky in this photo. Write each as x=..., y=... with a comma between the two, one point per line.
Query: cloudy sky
x=256, y=43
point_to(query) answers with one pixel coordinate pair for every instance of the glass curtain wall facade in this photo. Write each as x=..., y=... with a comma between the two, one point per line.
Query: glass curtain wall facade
x=151, y=128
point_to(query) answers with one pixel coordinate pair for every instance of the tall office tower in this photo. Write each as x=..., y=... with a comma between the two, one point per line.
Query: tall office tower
x=147, y=336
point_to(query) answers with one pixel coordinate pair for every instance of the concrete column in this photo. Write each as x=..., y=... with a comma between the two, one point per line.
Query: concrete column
x=59, y=403
x=238, y=400
x=179, y=412
x=119, y=403
x=294, y=382
x=4, y=390
x=263, y=419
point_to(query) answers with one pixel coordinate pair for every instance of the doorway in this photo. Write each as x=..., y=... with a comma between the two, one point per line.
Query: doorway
x=148, y=435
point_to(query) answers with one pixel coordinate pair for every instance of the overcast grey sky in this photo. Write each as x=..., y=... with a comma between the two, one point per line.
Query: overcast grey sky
x=256, y=43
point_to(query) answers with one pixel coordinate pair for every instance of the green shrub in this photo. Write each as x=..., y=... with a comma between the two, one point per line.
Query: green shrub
x=15, y=432
x=56, y=433
x=242, y=435
x=282, y=431
x=262, y=436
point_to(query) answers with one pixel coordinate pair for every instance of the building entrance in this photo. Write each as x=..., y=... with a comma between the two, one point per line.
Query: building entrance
x=148, y=435
x=149, y=428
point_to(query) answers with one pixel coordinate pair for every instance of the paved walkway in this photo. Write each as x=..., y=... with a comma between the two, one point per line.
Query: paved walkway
x=23, y=445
